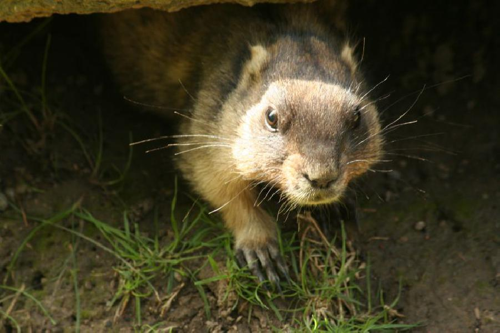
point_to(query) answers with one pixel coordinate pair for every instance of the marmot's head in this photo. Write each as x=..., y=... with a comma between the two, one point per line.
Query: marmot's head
x=308, y=138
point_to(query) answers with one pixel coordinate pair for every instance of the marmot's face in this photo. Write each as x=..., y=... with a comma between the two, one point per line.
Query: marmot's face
x=309, y=139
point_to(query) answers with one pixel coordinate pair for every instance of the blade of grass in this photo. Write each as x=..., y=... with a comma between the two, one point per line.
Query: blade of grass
x=100, y=148
x=14, y=51
x=49, y=222
x=124, y=172
x=77, y=138
x=206, y=304
x=11, y=319
x=31, y=297
x=74, y=275
x=20, y=98
x=138, y=311
x=44, y=78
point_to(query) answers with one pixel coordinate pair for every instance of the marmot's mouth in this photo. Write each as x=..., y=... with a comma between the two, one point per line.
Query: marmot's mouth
x=317, y=199
x=324, y=201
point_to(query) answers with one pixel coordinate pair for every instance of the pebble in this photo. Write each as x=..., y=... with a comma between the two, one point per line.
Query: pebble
x=88, y=285
x=419, y=226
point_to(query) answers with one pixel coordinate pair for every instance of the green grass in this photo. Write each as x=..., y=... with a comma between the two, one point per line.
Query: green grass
x=324, y=296
x=34, y=108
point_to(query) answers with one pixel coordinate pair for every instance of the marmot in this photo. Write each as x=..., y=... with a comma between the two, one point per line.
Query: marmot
x=274, y=96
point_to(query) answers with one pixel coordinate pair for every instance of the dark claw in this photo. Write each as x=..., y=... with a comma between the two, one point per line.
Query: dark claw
x=240, y=257
x=276, y=256
x=264, y=258
x=268, y=266
x=253, y=264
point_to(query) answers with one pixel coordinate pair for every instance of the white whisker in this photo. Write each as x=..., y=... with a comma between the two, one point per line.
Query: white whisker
x=374, y=87
x=201, y=147
x=369, y=161
x=179, y=136
x=227, y=203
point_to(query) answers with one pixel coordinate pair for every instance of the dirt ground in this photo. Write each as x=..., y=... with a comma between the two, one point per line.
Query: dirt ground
x=430, y=227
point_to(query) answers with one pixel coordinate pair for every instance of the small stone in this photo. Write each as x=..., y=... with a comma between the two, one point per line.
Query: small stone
x=485, y=196
x=88, y=285
x=477, y=313
x=419, y=226
x=4, y=204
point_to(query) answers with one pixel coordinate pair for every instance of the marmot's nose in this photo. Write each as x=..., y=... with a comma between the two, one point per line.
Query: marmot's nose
x=321, y=181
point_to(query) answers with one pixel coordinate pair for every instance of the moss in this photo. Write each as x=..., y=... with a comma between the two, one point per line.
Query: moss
x=88, y=314
x=464, y=209
x=483, y=288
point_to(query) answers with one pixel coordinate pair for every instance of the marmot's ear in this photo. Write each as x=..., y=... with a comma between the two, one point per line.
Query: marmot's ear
x=255, y=65
x=347, y=54
x=258, y=59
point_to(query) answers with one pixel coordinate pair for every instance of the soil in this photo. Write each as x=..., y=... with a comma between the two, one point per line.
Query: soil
x=430, y=227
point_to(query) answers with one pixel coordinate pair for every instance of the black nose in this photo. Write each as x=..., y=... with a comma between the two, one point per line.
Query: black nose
x=321, y=182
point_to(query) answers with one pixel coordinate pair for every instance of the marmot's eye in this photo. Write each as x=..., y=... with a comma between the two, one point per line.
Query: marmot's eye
x=272, y=119
x=356, y=120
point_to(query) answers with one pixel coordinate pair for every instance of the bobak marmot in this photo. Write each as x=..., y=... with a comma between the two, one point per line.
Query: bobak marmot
x=274, y=97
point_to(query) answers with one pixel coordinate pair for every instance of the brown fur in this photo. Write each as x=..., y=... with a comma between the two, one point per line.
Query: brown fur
x=227, y=65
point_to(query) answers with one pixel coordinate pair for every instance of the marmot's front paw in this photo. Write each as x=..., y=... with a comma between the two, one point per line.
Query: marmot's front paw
x=267, y=257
